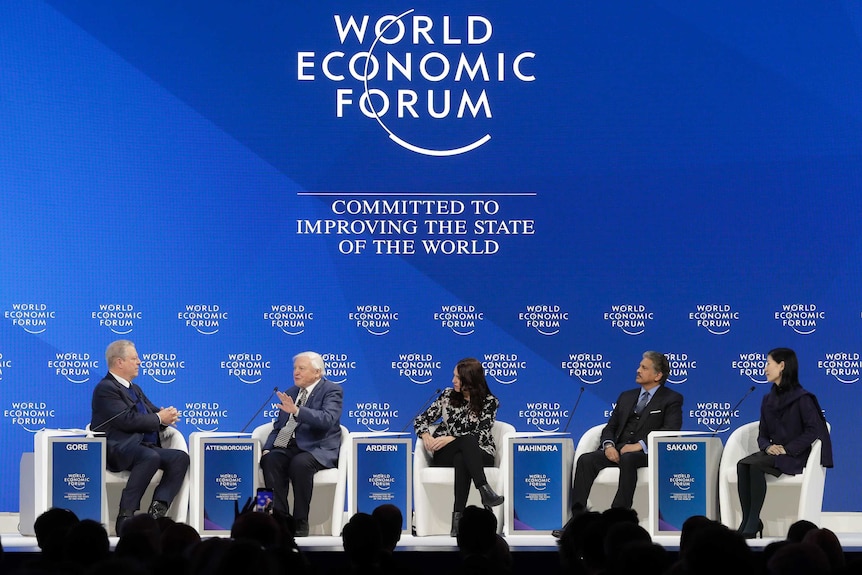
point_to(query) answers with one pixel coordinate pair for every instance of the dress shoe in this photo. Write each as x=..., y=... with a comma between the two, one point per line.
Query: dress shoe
x=752, y=534
x=577, y=509
x=124, y=515
x=456, y=518
x=158, y=509
x=301, y=528
x=489, y=498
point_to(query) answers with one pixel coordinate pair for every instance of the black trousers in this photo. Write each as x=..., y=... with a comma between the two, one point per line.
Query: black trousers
x=468, y=459
x=146, y=461
x=588, y=467
x=283, y=466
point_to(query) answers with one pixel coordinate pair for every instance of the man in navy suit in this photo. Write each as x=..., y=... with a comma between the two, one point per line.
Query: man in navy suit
x=305, y=439
x=650, y=407
x=131, y=424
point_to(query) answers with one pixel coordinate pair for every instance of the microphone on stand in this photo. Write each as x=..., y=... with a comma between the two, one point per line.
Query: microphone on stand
x=110, y=419
x=256, y=413
x=425, y=405
x=574, y=407
x=738, y=403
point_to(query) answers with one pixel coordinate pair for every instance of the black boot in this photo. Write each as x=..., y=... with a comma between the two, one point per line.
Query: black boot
x=489, y=498
x=158, y=509
x=456, y=518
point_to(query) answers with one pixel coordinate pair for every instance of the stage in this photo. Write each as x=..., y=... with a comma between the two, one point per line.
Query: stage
x=851, y=542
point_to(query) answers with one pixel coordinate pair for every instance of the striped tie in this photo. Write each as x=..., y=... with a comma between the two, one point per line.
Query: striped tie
x=642, y=403
x=285, y=434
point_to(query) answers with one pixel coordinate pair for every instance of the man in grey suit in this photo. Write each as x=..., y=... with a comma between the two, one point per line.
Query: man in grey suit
x=305, y=439
x=650, y=407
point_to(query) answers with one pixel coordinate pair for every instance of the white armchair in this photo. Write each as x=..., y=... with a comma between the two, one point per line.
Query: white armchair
x=434, y=487
x=326, y=513
x=789, y=498
x=605, y=486
x=115, y=482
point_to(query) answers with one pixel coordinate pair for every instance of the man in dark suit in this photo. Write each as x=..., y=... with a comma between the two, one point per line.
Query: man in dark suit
x=305, y=439
x=650, y=407
x=131, y=424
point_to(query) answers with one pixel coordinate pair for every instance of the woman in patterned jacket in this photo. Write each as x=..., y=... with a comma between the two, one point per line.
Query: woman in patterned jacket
x=462, y=439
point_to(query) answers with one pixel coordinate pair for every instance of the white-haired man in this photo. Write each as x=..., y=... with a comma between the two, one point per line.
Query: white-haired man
x=131, y=423
x=305, y=438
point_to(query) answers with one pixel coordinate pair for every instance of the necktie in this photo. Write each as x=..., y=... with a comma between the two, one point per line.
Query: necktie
x=642, y=402
x=286, y=433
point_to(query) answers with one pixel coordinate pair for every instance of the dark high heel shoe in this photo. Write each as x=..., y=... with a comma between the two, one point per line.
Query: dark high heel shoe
x=752, y=534
x=489, y=497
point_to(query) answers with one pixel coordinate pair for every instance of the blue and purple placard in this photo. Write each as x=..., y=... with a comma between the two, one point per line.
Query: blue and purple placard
x=77, y=476
x=383, y=475
x=682, y=482
x=539, y=487
x=228, y=480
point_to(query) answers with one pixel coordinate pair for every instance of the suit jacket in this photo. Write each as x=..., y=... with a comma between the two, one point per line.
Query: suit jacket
x=793, y=418
x=318, y=429
x=126, y=431
x=663, y=412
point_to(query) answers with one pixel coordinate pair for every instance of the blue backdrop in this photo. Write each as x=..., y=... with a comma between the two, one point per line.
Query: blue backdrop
x=553, y=187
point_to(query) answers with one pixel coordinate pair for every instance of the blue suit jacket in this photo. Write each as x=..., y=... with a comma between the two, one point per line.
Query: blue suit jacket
x=318, y=429
x=663, y=412
x=125, y=432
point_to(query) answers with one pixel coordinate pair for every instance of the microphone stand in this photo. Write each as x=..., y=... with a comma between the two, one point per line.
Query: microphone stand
x=423, y=408
x=738, y=403
x=244, y=427
x=574, y=408
x=109, y=420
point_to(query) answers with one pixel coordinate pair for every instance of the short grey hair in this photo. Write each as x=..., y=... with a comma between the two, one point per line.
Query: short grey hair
x=117, y=350
x=315, y=358
x=659, y=363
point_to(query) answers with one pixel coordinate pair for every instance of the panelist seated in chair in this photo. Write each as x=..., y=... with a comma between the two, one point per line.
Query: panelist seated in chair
x=649, y=407
x=463, y=439
x=131, y=423
x=305, y=439
x=790, y=421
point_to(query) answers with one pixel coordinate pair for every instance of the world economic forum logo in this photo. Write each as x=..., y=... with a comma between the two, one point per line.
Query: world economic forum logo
x=751, y=365
x=119, y=318
x=205, y=319
x=77, y=481
x=290, y=319
x=338, y=366
x=31, y=317
x=681, y=365
x=588, y=367
x=375, y=319
x=162, y=367
x=545, y=319
x=246, y=367
x=428, y=82
x=630, y=319
x=843, y=366
x=461, y=319
x=417, y=367
x=801, y=318
x=503, y=367
x=73, y=366
x=31, y=416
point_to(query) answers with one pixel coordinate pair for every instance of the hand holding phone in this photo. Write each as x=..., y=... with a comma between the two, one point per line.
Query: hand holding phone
x=263, y=501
